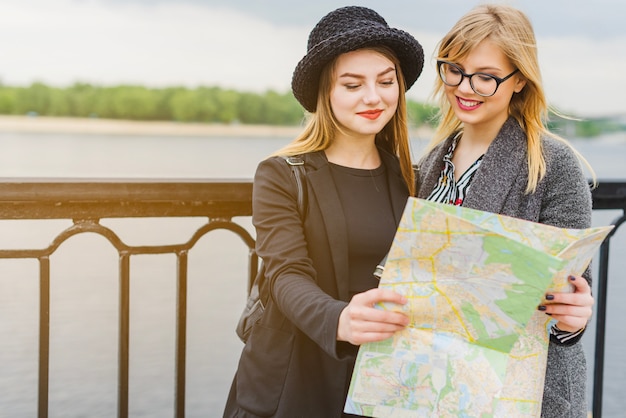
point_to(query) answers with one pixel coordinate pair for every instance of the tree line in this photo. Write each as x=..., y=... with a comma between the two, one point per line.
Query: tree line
x=213, y=105
x=181, y=104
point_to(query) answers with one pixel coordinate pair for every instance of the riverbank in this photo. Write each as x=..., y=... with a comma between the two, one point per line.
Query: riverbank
x=82, y=126
x=43, y=124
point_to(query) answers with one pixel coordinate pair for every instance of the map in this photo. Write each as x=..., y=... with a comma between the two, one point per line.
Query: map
x=476, y=344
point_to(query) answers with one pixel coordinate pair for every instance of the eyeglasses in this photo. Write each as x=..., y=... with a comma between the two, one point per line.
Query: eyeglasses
x=483, y=84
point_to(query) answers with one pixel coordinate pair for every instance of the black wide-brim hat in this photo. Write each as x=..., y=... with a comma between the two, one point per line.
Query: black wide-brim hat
x=347, y=29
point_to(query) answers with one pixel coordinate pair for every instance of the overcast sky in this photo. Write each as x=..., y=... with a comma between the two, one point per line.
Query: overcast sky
x=255, y=44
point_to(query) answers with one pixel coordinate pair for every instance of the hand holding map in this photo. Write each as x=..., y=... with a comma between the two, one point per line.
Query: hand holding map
x=476, y=345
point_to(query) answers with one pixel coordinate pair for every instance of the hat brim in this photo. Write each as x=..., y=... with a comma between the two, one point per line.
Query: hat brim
x=305, y=81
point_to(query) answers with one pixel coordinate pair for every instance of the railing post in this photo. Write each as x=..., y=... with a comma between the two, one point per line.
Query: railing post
x=181, y=335
x=44, y=337
x=603, y=277
x=124, y=336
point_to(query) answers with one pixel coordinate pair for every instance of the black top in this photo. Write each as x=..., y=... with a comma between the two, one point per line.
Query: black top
x=370, y=234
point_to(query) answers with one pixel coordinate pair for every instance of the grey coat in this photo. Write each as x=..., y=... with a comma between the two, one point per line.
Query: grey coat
x=562, y=199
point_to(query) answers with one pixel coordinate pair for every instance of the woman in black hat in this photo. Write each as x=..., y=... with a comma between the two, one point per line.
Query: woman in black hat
x=492, y=151
x=298, y=359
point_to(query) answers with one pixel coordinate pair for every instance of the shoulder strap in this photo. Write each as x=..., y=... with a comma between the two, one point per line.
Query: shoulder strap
x=297, y=167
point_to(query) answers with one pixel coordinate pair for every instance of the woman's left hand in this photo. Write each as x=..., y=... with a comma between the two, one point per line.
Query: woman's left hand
x=571, y=310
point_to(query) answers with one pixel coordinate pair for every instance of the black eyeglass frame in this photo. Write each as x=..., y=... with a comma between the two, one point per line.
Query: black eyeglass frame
x=469, y=76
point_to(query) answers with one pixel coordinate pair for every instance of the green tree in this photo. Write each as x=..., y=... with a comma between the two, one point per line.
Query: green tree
x=58, y=103
x=226, y=102
x=282, y=109
x=133, y=102
x=421, y=113
x=35, y=98
x=184, y=106
x=163, y=109
x=8, y=99
x=82, y=100
x=250, y=108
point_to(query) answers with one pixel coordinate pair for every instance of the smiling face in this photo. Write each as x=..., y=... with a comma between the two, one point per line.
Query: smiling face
x=364, y=93
x=475, y=110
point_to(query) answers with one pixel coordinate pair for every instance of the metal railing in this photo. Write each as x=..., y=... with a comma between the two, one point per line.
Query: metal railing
x=86, y=202
x=608, y=195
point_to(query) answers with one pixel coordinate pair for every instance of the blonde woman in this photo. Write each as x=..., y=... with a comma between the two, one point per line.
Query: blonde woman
x=298, y=359
x=492, y=152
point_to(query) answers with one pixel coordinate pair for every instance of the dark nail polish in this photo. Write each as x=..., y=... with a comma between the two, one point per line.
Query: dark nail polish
x=541, y=307
x=572, y=278
x=549, y=297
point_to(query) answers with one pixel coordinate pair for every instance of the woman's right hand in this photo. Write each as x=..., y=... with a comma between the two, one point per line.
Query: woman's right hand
x=360, y=322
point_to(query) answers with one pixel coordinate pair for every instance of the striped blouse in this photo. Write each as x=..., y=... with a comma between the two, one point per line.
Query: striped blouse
x=448, y=190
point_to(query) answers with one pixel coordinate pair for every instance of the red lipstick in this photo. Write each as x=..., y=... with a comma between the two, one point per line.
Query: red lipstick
x=371, y=114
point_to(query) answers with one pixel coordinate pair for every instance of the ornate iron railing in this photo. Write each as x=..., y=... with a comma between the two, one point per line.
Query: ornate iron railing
x=86, y=202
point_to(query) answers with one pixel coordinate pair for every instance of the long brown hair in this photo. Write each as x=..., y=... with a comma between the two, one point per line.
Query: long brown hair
x=322, y=126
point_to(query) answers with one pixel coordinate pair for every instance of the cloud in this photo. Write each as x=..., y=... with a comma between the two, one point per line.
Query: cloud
x=165, y=43
x=583, y=75
x=64, y=41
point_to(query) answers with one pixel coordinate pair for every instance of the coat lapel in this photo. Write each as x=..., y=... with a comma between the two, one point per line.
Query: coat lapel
x=501, y=166
x=430, y=168
x=321, y=181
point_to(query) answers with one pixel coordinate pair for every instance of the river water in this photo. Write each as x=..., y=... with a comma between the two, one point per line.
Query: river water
x=83, y=347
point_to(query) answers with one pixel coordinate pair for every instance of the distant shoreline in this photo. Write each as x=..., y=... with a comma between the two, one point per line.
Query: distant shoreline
x=46, y=124
x=85, y=126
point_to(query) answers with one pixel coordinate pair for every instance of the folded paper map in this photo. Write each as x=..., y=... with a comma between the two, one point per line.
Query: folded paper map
x=476, y=344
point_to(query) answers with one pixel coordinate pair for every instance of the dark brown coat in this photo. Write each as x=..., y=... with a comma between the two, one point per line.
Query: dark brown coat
x=292, y=366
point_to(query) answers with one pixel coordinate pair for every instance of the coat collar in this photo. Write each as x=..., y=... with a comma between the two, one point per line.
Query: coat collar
x=503, y=163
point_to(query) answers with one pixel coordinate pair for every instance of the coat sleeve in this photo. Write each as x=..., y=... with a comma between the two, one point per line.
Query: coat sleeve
x=567, y=199
x=281, y=243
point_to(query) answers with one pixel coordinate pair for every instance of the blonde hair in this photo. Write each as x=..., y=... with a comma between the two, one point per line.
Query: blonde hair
x=322, y=126
x=511, y=30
